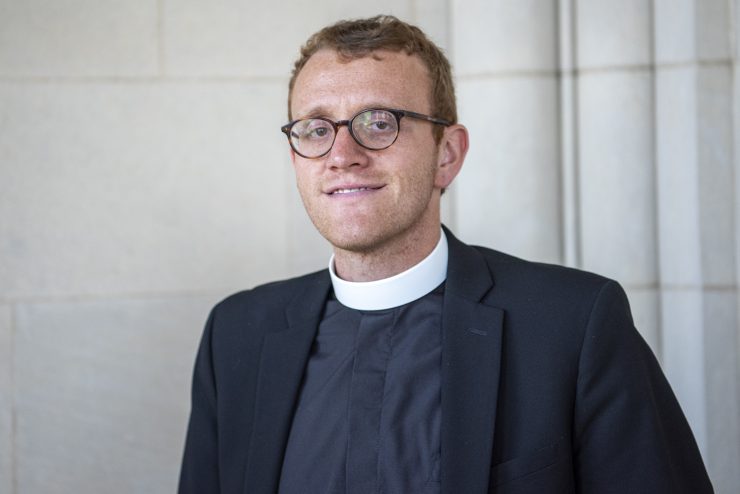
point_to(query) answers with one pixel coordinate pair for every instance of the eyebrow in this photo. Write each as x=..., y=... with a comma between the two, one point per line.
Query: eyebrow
x=323, y=112
x=318, y=111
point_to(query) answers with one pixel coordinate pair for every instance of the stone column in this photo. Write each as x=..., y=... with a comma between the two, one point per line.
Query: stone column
x=697, y=228
x=615, y=150
x=508, y=194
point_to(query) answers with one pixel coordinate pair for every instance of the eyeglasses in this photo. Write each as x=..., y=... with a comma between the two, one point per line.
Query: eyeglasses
x=374, y=128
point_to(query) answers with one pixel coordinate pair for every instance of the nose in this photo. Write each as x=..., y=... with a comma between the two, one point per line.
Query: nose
x=346, y=151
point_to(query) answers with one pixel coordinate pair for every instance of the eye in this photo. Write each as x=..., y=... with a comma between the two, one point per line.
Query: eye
x=376, y=121
x=318, y=132
x=315, y=129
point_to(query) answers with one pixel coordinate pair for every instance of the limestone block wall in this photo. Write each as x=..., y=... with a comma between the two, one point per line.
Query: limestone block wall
x=604, y=137
x=143, y=177
x=696, y=170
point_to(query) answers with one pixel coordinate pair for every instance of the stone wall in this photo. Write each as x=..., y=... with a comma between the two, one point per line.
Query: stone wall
x=143, y=177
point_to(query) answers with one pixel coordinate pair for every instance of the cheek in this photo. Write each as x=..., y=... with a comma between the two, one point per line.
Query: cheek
x=302, y=177
x=424, y=171
x=304, y=191
x=418, y=185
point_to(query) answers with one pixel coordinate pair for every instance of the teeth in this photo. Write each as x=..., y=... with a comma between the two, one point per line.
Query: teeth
x=348, y=191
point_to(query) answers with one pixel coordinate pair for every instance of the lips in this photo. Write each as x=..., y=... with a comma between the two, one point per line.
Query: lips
x=352, y=189
x=349, y=191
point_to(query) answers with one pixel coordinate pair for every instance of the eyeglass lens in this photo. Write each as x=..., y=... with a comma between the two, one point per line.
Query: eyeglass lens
x=373, y=129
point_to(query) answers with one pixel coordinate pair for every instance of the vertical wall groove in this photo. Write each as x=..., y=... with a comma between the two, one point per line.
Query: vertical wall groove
x=161, y=48
x=14, y=408
x=658, y=336
x=568, y=133
x=561, y=124
x=578, y=244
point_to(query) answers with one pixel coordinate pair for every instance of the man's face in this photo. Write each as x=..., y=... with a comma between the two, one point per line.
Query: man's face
x=360, y=199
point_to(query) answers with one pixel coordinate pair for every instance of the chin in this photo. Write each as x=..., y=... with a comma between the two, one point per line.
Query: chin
x=354, y=240
x=352, y=243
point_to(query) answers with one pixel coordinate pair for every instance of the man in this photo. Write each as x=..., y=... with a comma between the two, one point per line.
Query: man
x=416, y=363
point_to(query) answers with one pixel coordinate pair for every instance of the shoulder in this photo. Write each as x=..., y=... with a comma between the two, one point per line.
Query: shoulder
x=538, y=279
x=554, y=299
x=539, y=293
x=269, y=299
x=518, y=277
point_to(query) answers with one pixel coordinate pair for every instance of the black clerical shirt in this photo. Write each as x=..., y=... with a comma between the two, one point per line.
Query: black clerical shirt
x=369, y=411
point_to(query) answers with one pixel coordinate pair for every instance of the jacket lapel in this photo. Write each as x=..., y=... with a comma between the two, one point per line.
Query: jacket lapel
x=282, y=362
x=471, y=360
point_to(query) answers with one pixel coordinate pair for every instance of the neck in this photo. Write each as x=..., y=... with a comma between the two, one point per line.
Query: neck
x=387, y=259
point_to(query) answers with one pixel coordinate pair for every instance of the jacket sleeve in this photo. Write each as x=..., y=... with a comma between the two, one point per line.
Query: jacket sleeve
x=630, y=434
x=200, y=473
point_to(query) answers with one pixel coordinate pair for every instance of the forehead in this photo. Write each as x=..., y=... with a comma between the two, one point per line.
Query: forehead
x=339, y=87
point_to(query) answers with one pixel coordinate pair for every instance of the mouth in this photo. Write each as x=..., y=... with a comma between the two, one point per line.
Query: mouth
x=354, y=189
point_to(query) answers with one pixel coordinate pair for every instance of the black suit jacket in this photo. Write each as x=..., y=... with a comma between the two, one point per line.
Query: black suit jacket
x=546, y=386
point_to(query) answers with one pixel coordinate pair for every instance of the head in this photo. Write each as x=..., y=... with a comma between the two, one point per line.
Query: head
x=375, y=201
x=354, y=39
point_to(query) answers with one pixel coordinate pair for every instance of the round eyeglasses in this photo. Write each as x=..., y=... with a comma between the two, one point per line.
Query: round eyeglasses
x=374, y=128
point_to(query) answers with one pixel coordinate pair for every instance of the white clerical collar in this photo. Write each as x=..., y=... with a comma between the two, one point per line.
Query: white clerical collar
x=397, y=290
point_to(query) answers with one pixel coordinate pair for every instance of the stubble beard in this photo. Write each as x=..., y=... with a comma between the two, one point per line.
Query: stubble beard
x=392, y=230
x=374, y=233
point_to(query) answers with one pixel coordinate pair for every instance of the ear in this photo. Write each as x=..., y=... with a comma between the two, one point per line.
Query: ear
x=452, y=150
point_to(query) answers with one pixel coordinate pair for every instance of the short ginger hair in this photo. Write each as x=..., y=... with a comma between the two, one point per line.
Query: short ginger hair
x=358, y=38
